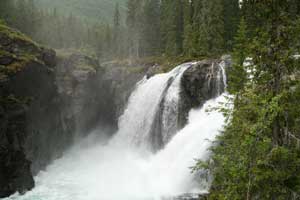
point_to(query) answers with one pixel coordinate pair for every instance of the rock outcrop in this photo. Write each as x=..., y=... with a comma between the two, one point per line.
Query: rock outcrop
x=122, y=78
x=201, y=82
x=86, y=95
x=26, y=84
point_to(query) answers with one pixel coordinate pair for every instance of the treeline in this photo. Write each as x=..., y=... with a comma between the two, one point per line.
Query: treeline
x=181, y=27
x=49, y=27
x=258, y=154
x=153, y=28
x=190, y=28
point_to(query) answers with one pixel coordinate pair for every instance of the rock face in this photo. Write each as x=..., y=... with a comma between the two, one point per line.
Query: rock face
x=25, y=76
x=85, y=93
x=122, y=78
x=200, y=83
x=95, y=94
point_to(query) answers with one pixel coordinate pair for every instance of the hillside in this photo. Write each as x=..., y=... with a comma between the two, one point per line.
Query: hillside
x=91, y=10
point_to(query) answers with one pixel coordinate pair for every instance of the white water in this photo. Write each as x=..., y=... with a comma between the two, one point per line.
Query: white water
x=170, y=110
x=118, y=171
x=136, y=122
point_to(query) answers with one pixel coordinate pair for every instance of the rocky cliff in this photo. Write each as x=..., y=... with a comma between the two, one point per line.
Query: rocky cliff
x=26, y=88
x=85, y=94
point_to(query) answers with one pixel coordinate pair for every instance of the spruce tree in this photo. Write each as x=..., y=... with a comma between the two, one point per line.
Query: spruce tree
x=211, y=28
x=173, y=27
x=188, y=37
x=151, y=32
x=259, y=147
x=238, y=72
x=231, y=21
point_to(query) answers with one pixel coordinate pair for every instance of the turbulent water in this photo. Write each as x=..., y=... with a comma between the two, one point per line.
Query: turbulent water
x=125, y=168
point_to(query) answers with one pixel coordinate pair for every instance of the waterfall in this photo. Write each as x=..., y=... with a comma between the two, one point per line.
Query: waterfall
x=126, y=168
x=136, y=123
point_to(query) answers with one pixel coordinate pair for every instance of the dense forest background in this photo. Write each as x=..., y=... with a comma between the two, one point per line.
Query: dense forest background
x=135, y=28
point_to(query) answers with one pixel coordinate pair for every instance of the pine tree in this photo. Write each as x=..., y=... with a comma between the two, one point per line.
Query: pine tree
x=211, y=28
x=196, y=18
x=173, y=27
x=188, y=41
x=259, y=147
x=151, y=32
x=231, y=20
x=238, y=73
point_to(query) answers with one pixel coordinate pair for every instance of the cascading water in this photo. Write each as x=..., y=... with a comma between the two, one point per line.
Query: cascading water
x=92, y=170
x=136, y=123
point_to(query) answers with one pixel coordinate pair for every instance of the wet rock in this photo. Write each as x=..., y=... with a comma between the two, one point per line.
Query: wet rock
x=15, y=170
x=30, y=125
x=122, y=78
x=86, y=94
x=49, y=57
x=199, y=83
x=189, y=196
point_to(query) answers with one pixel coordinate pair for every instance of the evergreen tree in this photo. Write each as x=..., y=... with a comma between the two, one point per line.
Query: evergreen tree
x=211, y=32
x=173, y=27
x=196, y=18
x=188, y=41
x=238, y=74
x=257, y=156
x=231, y=20
x=151, y=32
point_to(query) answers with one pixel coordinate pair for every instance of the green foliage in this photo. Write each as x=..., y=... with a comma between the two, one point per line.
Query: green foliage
x=258, y=154
x=231, y=20
x=151, y=29
x=211, y=32
x=238, y=72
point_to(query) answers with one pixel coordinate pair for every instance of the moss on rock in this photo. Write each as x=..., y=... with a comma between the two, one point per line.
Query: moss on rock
x=18, y=51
